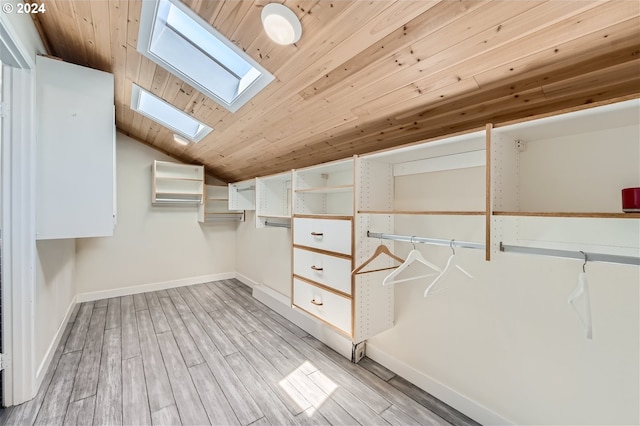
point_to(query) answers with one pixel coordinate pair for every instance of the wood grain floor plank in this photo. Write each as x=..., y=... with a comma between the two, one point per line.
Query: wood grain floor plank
x=86, y=380
x=208, y=300
x=25, y=414
x=184, y=391
x=356, y=408
x=377, y=369
x=178, y=301
x=213, y=398
x=80, y=412
x=167, y=416
x=102, y=303
x=158, y=387
x=130, y=338
x=397, y=417
x=140, y=302
x=135, y=402
x=273, y=409
x=241, y=401
x=114, y=317
x=160, y=323
x=218, y=290
x=56, y=400
x=162, y=293
x=279, y=384
x=74, y=312
x=187, y=346
x=419, y=413
x=244, y=327
x=80, y=327
x=281, y=350
x=247, y=323
x=221, y=341
x=312, y=417
x=108, y=409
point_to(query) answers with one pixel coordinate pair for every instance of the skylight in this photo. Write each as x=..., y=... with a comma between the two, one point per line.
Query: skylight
x=166, y=114
x=177, y=39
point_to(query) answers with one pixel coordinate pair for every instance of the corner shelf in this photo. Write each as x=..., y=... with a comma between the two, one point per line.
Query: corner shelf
x=215, y=207
x=273, y=199
x=326, y=189
x=177, y=184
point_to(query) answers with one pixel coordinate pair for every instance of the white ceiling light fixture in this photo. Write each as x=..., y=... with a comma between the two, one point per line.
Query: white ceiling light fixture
x=281, y=24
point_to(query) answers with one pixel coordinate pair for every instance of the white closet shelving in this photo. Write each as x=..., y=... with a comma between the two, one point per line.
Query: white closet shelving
x=557, y=181
x=215, y=206
x=326, y=189
x=242, y=195
x=177, y=184
x=273, y=200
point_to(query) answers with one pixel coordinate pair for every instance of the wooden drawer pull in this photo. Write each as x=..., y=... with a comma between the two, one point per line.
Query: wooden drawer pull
x=317, y=234
x=315, y=302
x=315, y=268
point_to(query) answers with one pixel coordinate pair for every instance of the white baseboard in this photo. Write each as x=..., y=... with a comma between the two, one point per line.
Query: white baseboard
x=246, y=280
x=143, y=288
x=460, y=402
x=51, y=350
x=282, y=305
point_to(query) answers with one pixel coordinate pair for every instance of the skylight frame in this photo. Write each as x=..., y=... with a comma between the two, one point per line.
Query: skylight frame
x=148, y=33
x=137, y=94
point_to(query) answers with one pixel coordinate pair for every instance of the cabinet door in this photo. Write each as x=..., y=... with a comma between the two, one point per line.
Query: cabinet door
x=75, y=174
x=324, y=234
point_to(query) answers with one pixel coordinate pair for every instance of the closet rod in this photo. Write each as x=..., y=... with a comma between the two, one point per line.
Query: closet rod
x=422, y=240
x=278, y=225
x=249, y=188
x=591, y=257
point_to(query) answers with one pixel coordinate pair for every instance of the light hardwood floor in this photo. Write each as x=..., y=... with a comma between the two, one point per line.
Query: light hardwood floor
x=211, y=354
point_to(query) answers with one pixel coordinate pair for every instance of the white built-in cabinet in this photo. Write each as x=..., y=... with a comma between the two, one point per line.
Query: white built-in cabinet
x=177, y=183
x=75, y=151
x=552, y=183
x=273, y=200
x=215, y=206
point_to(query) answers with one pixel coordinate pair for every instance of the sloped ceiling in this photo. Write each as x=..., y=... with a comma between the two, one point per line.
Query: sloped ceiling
x=366, y=75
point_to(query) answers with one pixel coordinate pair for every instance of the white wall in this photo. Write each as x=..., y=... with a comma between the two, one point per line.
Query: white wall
x=55, y=291
x=150, y=244
x=264, y=255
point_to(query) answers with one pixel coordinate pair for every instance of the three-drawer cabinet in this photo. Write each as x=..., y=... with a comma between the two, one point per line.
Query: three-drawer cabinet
x=322, y=264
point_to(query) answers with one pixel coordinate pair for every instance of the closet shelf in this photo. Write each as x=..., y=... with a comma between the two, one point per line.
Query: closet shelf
x=569, y=214
x=174, y=178
x=324, y=215
x=275, y=216
x=326, y=189
x=425, y=212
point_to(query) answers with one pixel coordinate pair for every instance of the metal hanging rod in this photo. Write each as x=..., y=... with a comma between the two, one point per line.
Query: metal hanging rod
x=591, y=257
x=422, y=240
x=278, y=225
x=249, y=188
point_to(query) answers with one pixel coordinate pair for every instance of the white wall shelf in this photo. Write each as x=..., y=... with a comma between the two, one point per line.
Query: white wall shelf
x=273, y=198
x=326, y=189
x=215, y=206
x=242, y=195
x=176, y=184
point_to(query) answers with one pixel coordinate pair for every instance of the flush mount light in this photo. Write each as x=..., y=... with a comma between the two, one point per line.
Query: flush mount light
x=281, y=24
x=180, y=140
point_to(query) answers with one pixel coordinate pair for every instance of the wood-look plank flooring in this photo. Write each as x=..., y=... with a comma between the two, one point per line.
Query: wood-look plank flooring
x=212, y=354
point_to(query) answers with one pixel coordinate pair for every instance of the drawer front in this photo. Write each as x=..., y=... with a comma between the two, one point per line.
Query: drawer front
x=325, y=234
x=332, y=271
x=334, y=309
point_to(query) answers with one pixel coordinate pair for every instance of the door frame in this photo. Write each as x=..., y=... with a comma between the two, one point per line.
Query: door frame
x=18, y=217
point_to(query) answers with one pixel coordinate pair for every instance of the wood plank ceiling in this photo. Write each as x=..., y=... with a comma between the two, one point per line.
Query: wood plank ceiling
x=366, y=75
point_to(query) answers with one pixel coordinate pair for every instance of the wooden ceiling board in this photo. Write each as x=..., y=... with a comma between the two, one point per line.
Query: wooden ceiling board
x=366, y=75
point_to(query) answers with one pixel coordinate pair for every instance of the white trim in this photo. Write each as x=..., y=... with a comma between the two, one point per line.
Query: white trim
x=460, y=402
x=143, y=288
x=44, y=365
x=246, y=280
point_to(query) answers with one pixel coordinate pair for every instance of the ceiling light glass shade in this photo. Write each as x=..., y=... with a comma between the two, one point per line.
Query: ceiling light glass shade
x=281, y=24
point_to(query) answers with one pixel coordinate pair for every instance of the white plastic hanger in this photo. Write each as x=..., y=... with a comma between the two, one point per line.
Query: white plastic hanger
x=583, y=290
x=451, y=262
x=414, y=256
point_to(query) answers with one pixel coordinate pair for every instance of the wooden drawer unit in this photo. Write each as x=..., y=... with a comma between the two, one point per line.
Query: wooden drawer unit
x=331, y=271
x=332, y=235
x=323, y=304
